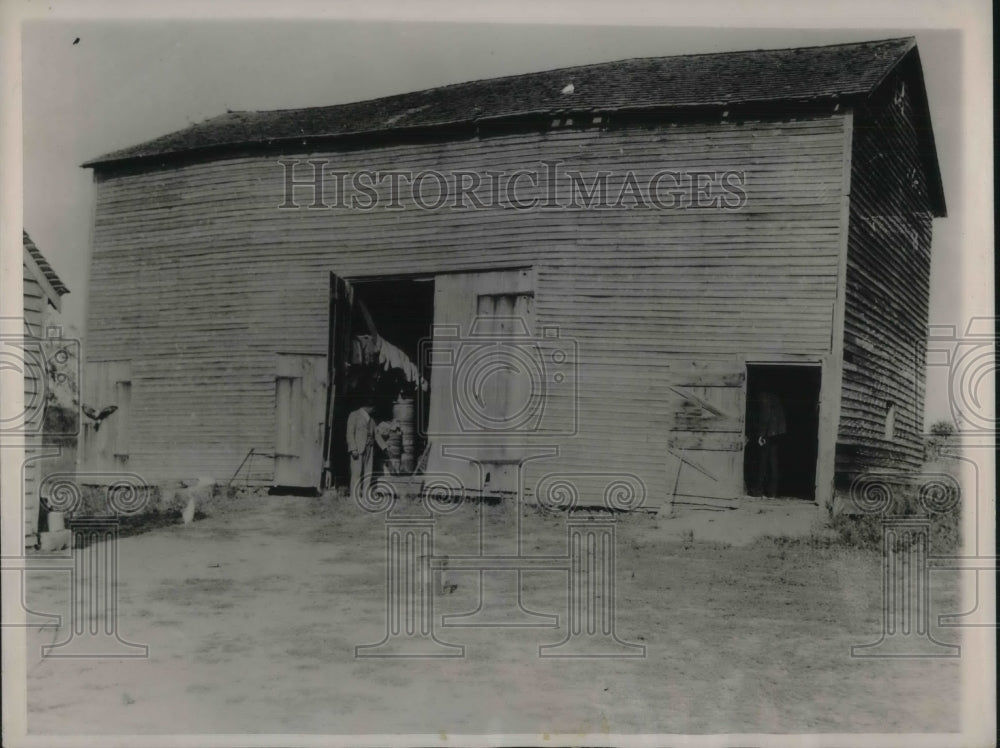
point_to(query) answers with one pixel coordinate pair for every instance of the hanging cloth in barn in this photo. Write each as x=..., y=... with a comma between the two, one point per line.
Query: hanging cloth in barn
x=371, y=348
x=364, y=350
x=391, y=357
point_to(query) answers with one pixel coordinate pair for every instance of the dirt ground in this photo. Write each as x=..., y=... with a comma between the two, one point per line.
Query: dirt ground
x=252, y=614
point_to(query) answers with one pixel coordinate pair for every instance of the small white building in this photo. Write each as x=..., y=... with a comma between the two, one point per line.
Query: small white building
x=42, y=290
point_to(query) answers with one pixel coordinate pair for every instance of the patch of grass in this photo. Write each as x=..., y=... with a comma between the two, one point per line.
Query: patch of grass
x=815, y=541
x=865, y=531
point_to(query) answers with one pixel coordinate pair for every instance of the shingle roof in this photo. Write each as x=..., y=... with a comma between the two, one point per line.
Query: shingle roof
x=718, y=79
x=50, y=275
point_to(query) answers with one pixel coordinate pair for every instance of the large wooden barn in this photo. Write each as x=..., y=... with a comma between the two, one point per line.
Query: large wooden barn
x=651, y=243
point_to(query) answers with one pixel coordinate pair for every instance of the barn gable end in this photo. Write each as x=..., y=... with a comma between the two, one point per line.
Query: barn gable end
x=893, y=201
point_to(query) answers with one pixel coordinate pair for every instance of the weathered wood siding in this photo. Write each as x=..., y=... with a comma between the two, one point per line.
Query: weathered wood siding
x=888, y=286
x=198, y=279
x=104, y=446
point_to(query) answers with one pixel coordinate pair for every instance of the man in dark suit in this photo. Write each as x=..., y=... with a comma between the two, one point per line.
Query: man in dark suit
x=767, y=429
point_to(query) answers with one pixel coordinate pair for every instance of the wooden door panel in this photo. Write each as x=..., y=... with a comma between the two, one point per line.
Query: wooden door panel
x=105, y=443
x=706, y=432
x=469, y=306
x=300, y=417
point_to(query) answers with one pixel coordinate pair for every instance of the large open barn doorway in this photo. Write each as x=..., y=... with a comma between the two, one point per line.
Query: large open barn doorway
x=782, y=429
x=377, y=326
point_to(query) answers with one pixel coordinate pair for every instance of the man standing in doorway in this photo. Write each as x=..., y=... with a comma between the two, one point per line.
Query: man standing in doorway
x=769, y=429
x=360, y=441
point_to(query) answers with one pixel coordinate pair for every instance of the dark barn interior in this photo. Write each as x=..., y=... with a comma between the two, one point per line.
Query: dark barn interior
x=402, y=312
x=797, y=389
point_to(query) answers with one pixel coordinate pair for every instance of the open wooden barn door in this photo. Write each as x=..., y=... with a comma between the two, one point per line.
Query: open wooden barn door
x=338, y=354
x=305, y=389
x=375, y=328
x=483, y=326
x=706, y=435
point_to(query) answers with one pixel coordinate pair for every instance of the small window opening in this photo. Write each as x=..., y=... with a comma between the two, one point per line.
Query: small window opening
x=890, y=421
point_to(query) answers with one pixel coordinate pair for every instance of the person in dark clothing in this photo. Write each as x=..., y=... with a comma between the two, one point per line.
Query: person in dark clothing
x=767, y=430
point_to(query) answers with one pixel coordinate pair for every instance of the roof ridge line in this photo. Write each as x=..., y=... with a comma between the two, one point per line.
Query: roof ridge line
x=677, y=81
x=552, y=71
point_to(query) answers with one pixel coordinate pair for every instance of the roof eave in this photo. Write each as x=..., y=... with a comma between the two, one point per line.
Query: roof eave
x=524, y=119
x=52, y=294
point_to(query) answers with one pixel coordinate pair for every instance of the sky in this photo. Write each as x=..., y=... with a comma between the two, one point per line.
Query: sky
x=91, y=87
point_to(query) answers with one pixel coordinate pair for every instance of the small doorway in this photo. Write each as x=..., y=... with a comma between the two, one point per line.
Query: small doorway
x=381, y=365
x=783, y=412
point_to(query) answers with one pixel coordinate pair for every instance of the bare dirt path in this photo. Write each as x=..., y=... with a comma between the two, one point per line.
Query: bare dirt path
x=252, y=615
